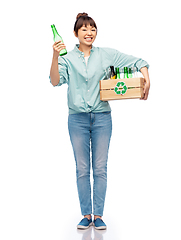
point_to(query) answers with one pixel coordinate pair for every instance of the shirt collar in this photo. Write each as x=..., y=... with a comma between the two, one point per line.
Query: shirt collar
x=76, y=48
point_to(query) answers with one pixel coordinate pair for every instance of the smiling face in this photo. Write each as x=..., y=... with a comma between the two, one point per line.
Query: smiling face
x=86, y=35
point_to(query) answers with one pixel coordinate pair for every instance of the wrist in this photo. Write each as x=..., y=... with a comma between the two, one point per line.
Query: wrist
x=147, y=80
x=55, y=56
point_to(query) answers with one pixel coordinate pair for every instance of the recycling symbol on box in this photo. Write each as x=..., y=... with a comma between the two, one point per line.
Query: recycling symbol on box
x=119, y=91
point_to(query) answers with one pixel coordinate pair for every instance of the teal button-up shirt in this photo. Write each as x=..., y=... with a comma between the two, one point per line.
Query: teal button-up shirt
x=83, y=80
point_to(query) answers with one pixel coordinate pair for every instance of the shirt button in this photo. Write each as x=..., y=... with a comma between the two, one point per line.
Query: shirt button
x=88, y=90
x=86, y=80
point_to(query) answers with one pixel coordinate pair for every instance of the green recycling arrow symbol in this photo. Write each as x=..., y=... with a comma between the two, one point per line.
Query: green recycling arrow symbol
x=119, y=91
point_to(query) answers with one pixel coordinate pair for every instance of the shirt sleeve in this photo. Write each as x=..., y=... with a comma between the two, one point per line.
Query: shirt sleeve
x=123, y=60
x=63, y=71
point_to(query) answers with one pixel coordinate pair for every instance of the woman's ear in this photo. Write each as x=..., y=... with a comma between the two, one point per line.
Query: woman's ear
x=75, y=34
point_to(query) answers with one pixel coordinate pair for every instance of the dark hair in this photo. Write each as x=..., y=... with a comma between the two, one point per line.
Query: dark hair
x=83, y=19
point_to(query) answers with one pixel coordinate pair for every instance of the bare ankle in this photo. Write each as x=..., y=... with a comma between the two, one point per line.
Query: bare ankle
x=96, y=216
x=87, y=216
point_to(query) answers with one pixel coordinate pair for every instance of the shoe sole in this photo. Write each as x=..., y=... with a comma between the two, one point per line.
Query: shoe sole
x=84, y=227
x=100, y=228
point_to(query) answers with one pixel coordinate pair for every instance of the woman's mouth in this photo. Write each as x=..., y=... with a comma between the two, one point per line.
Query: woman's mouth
x=88, y=39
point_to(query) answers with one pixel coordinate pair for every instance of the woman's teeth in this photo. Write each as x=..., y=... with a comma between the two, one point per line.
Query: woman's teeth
x=88, y=39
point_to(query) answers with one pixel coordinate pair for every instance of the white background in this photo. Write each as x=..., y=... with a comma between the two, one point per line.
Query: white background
x=38, y=191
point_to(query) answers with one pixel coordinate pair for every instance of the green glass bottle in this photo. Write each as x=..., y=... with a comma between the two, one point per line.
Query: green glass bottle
x=117, y=73
x=57, y=37
x=130, y=73
x=125, y=72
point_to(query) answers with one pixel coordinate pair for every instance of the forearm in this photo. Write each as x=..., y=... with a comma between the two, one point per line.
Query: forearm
x=54, y=73
x=145, y=73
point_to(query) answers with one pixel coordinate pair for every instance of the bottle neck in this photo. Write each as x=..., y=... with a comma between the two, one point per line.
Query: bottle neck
x=54, y=30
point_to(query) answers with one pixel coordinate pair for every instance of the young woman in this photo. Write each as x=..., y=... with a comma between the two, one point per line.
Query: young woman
x=89, y=121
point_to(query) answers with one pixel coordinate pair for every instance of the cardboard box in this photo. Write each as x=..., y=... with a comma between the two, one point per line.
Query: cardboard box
x=115, y=89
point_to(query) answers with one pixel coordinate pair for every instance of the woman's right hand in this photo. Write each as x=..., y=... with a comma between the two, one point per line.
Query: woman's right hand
x=57, y=47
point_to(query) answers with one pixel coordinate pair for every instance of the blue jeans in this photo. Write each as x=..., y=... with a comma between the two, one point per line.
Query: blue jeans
x=90, y=135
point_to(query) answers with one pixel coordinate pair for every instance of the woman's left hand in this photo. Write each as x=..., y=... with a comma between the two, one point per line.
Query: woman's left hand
x=146, y=90
x=145, y=73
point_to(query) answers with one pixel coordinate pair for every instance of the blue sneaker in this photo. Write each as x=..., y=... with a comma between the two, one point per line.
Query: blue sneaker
x=84, y=223
x=99, y=224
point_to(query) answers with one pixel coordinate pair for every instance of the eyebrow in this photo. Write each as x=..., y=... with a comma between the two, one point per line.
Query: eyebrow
x=86, y=27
